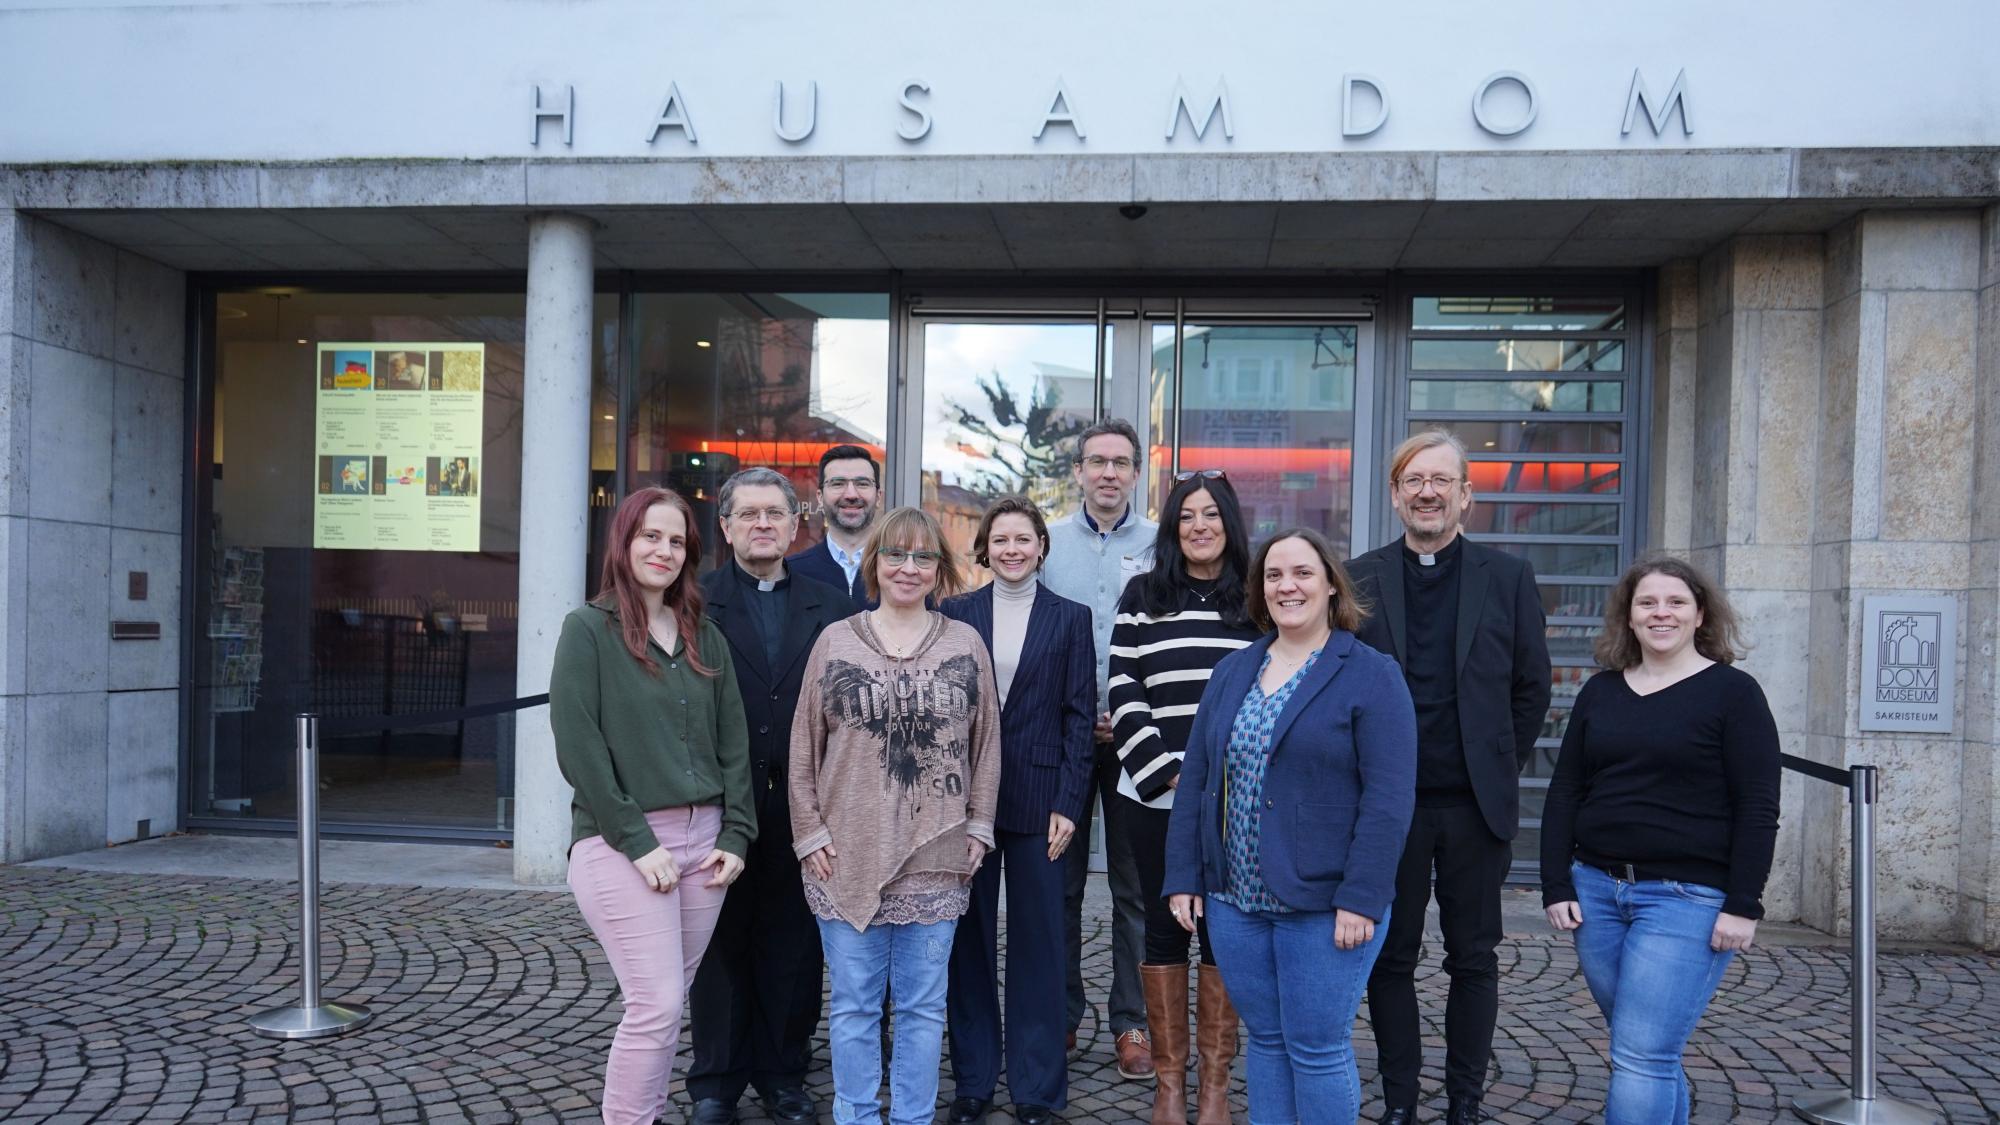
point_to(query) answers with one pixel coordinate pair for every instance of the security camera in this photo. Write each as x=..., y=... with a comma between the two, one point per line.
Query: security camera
x=1133, y=211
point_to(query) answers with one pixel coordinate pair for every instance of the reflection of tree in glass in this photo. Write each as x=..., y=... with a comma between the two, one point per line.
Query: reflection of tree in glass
x=1020, y=450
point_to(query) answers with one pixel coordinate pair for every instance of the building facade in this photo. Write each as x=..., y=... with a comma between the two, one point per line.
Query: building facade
x=322, y=366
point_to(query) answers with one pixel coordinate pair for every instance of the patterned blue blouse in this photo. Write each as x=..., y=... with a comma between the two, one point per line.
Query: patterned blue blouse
x=1243, y=786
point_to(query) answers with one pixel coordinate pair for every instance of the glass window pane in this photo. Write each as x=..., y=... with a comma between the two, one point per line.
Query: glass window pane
x=1517, y=355
x=1593, y=560
x=1532, y=437
x=1563, y=599
x=1545, y=476
x=1518, y=314
x=1566, y=680
x=385, y=626
x=1496, y=395
x=1001, y=405
x=1572, y=642
x=1288, y=445
x=727, y=381
x=1543, y=519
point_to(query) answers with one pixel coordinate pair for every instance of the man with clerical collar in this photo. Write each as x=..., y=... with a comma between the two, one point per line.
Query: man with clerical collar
x=850, y=493
x=755, y=1001
x=1465, y=622
x=1092, y=554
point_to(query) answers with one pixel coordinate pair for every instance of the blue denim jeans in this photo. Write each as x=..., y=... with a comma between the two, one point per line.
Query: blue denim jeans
x=860, y=965
x=1645, y=955
x=1300, y=1062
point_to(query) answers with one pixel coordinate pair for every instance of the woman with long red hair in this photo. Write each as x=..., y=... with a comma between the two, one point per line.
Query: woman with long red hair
x=650, y=733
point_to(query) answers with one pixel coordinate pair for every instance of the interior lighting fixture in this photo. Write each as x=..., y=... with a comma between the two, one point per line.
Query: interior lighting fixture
x=614, y=418
x=701, y=344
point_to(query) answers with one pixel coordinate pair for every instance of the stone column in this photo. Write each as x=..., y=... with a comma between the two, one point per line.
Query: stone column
x=1752, y=462
x=1670, y=489
x=555, y=511
x=1894, y=504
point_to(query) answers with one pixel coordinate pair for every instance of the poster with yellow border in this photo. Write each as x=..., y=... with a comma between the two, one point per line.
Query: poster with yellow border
x=397, y=436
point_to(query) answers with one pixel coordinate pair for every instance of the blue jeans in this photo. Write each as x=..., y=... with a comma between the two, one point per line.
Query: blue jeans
x=1300, y=1062
x=1645, y=954
x=860, y=965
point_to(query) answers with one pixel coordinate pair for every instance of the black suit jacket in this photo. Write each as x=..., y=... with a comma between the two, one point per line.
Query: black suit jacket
x=816, y=562
x=1503, y=663
x=771, y=695
x=1047, y=740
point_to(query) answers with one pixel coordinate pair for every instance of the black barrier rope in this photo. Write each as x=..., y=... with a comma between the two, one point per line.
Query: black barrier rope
x=370, y=724
x=1834, y=774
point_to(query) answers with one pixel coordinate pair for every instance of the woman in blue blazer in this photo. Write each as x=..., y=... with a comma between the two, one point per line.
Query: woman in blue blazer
x=1047, y=748
x=1303, y=756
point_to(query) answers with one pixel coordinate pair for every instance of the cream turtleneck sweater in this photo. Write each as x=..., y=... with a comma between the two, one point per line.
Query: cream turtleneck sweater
x=1012, y=602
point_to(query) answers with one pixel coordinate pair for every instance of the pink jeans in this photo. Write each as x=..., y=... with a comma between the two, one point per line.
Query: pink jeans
x=654, y=942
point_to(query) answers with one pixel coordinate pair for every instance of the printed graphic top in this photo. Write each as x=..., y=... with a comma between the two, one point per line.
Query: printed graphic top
x=895, y=762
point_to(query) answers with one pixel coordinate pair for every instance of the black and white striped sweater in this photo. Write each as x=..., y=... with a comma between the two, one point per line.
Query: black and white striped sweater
x=1159, y=667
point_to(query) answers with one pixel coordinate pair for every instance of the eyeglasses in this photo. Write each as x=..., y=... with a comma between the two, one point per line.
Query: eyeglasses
x=1186, y=475
x=1414, y=484
x=896, y=556
x=767, y=515
x=835, y=484
x=1096, y=464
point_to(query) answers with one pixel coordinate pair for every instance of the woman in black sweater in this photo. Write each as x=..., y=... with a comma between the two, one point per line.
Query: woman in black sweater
x=1175, y=623
x=1659, y=826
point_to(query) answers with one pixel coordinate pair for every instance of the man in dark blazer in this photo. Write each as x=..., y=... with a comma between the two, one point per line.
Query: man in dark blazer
x=755, y=1001
x=1465, y=623
x=1047, y=749
x=850, y=491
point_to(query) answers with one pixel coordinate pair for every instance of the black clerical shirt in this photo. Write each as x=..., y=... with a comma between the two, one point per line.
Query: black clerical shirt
x=1430, y=667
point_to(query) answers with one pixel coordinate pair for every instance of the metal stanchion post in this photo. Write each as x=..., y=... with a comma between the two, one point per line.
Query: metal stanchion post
x=1859, y=1104
x=310, y=1019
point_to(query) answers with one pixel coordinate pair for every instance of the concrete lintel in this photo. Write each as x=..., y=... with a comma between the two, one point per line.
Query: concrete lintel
x=1614, y=175
x=1898, y=173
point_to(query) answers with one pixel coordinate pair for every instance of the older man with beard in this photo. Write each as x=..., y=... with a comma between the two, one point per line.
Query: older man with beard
x=850, y=490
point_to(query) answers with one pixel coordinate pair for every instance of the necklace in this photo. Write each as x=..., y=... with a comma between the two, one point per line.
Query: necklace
x=897, y=646
x=1213, y=586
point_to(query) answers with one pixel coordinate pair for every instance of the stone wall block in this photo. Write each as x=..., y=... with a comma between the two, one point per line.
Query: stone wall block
x=69, y=623
x=137, y=665
x=70, y=404
x=1670, y=510
x=1787, y=348
x=1920, y=250
x=1833, y=669
x=1716, y=271
x=1824, y=855
x=1989, y=246
x=1679, y=294
x=1871, y=374
x=1986, y=460
x=1777, y=628
x=1614, y=175
x=1979, y=861
x=146, y=451
x=13, y=609
x=151, y=322
x=64, y=773
x=16, y=370
x=458, y=183
x=17, y=288
x=1916, y=833
x=13, y=770
x=75, y=283
x=1784, y=889
x=1928, y=423
x=1909, y=567
x=1714, y=381
x=144, y=765
x=1842, y=270
x=1833, y=482
x=1779, y=271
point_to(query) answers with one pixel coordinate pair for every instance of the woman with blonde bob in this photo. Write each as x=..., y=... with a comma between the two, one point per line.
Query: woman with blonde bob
x=1296, y=795
x=1659, y=826
x=894, y=778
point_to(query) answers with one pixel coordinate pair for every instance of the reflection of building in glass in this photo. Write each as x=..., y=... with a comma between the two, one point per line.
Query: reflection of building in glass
x=1274, y=406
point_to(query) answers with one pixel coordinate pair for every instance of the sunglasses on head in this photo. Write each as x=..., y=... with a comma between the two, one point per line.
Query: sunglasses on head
x=1186, y=475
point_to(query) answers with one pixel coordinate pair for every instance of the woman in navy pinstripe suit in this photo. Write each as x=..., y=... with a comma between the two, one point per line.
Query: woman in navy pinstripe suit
x=1046, y=750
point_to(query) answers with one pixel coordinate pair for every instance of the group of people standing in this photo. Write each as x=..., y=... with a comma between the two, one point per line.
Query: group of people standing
x=831, y=758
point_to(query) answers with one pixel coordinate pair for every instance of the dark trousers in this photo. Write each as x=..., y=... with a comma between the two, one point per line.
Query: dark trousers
x=755, y=1000
x=1166, y=942
x=1128, y=908
x=1037, y=1065
x=1470, y=864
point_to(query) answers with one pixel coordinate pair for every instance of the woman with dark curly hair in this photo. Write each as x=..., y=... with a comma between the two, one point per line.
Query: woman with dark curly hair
x=1660, y=823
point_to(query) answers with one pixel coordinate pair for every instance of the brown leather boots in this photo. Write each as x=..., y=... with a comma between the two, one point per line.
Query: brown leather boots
x=1166, y=988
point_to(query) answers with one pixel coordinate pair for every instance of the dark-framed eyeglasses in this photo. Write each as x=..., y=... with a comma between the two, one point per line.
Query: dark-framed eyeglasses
x=897, y=556
x=1186, y=475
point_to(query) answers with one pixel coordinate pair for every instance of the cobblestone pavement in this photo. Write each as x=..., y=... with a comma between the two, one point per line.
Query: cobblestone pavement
x=122, y=998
